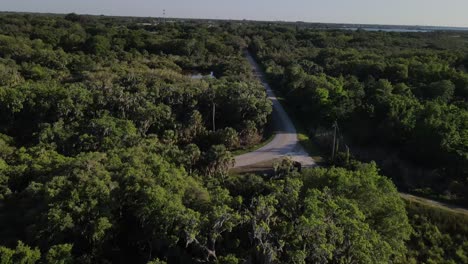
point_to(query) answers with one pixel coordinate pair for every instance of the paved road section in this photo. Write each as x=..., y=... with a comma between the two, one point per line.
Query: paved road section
x=285, y=143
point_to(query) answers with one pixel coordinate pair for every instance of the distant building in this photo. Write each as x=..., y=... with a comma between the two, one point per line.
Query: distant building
x=199, y=76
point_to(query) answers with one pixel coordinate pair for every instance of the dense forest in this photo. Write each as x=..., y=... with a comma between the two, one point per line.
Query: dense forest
x=397, y=98
x=111, y=152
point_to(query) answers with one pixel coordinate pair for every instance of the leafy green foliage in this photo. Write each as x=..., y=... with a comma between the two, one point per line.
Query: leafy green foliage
x=22, y=254
x=108, y=148
x=110, y=153
x=324, y=216
x=439, y=236
x=397, y=93
x=60, y=254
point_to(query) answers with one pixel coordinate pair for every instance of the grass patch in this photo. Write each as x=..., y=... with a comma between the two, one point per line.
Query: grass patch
x=254, y=147
x=428, y=193
x=444, y=218
x=262, y=168
x=437, y=206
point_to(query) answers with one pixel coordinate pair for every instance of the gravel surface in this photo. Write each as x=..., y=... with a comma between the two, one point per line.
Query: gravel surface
x=285, y=143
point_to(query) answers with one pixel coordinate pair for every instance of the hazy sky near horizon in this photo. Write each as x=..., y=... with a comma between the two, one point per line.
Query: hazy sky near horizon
x=404, y=12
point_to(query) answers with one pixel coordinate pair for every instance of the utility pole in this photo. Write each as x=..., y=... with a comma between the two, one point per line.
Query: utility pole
x=347, y=155
x=164, y=16
x=214, y=113
x=335, y=126
x=337, y=148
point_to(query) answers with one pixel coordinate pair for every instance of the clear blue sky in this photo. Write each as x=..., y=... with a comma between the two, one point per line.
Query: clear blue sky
x=407, y=12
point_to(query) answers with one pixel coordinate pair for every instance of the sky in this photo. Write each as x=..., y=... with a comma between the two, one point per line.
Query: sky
x=395, y=12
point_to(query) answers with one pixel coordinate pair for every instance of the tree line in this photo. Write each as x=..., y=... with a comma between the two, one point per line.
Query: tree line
x=398, y=98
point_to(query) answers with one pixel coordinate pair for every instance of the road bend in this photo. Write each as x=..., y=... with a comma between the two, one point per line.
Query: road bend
x=285, y=142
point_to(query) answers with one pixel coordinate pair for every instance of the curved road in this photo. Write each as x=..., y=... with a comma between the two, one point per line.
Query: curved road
x=285, y=143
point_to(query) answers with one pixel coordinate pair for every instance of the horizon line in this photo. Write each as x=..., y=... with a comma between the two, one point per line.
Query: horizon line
x=233, y=19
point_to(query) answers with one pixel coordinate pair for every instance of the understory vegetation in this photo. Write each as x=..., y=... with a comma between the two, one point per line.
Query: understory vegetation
x=439, y=235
